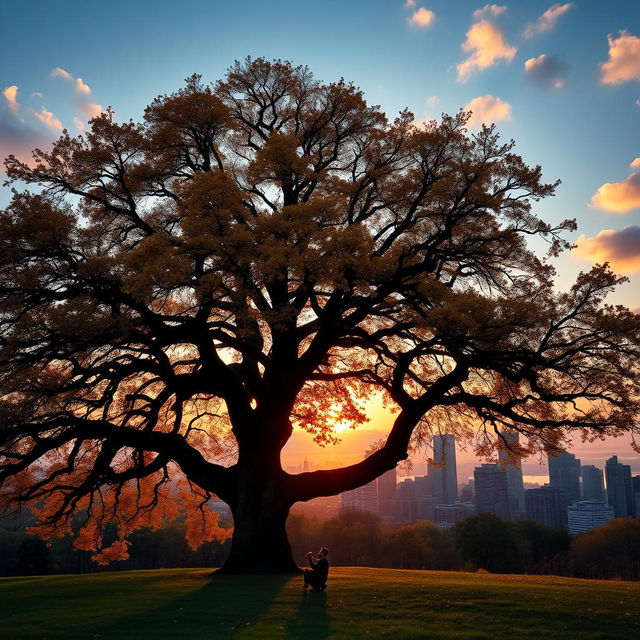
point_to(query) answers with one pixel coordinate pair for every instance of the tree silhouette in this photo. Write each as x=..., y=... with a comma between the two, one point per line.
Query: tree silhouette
x=178, y=294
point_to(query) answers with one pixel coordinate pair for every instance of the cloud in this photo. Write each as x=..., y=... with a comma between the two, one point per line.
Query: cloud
x=546, y=71
x=80, y=126
x=487, y=109
x=59, y=72
x=621, y=249
x=78, y=83
x=487, y=45
x=547, y=21
x=11, y=96
x=623, y=64
x=48, y=119
x=19, y=138
x=91, y=110
x=410, y=3
x=618, y=197
x=422, y=17
x=488, y=11
x=635, y=163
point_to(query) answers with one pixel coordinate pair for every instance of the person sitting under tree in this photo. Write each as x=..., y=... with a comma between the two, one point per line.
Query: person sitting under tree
x=316, y=576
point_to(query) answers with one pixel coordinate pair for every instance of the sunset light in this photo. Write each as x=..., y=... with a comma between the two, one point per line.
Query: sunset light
x=320, y=319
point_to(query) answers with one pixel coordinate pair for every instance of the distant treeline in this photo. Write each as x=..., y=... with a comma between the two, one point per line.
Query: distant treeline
x=479, y=543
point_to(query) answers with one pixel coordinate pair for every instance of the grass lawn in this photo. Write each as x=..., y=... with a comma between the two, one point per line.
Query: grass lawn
x=359, y=603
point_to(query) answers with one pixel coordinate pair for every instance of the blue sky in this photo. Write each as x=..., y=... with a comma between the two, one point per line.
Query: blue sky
x=567, y=112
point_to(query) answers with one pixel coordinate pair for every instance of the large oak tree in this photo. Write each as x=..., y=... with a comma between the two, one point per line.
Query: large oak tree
x=258, y=254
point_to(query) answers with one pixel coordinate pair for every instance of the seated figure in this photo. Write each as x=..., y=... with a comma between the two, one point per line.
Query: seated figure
x=316, y=576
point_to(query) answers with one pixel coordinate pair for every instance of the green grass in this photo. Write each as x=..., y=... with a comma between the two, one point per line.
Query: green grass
x=360, y=603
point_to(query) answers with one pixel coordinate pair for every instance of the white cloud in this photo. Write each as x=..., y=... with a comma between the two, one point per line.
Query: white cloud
x=621, y=249
x=59, y=72
x=623, y=64
x=488, y=11
x=10, y=94
x=548, y=20
x=79, y=124
x=422, y=18
x=78, y=83
x=92, y=110
x=486, y=45
x=618, y=197
x=487, y=109
x=48, y=119
x=545, y=71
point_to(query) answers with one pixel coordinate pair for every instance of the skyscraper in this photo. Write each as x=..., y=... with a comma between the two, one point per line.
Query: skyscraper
x=443, y=473
x=511, y=464
x=592, y=483
x=547, y=505
x=386, y=485
x=619, y=488
x=586, y=515
x=564, y=475
x=492, y=494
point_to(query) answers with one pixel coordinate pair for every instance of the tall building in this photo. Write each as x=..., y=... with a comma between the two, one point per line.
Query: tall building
x=619, y=488
x=363, y=498
x=443, y=474
x=592, y=483
x=512, y=465
x=492, y=493
x=564, y=474
x=386, y=486
x=635, y=483
x=547, y=505
x=586, y=515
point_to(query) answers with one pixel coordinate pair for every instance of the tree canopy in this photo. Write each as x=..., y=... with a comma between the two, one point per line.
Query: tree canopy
x=178, y=294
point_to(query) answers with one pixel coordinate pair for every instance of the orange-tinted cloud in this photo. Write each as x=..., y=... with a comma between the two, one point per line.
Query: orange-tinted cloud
x=48, y=119
x=422, y=18
x=486, y=45
x=91, y=110
x=623, y=64
x=11, y=96
x=621, y=249
x=634, y=164
x=547, y=21
x=78, y=83
x=545, y=71
x=489, y=10
x=487, y=109
x=618, y=197
x=410, y=3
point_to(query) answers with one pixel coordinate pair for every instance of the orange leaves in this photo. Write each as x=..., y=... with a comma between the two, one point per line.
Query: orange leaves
x=278, y=159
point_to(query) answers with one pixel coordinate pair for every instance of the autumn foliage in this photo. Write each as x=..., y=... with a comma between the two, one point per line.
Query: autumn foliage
x=177, y=295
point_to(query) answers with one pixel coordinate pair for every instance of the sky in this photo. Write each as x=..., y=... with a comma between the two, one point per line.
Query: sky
x=562, y=80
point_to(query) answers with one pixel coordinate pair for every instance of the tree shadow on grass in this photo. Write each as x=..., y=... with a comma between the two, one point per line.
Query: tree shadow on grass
x=224, y=607
x=311, y=620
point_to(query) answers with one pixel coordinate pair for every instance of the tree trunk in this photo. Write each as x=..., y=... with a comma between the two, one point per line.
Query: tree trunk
x=260, y=543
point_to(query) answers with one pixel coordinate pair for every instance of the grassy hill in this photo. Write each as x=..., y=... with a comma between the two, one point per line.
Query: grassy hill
x=360, y=603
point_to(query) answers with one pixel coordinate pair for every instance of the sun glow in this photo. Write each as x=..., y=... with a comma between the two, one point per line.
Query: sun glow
x=335, y=422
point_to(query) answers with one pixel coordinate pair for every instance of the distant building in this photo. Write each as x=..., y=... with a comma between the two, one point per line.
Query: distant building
x=564, y=474
x=548, y=506
x=423, y=486
x=386, y=488
x=619, y=488
x=515, y=486
x=446, y=515
x=635, y=484
x=443, y=474
x=364, y=498
x=586, y=515
x=492, y=494
x=592, y=483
